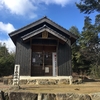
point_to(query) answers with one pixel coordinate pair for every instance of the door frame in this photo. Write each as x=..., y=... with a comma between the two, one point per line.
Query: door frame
x=39, y=48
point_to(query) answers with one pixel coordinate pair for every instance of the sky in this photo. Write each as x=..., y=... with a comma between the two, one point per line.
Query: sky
x=15, y=14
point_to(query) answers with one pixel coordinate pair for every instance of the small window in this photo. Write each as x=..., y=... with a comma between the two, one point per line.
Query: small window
x=37, y=59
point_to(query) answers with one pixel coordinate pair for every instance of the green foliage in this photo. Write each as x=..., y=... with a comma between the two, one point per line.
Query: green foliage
x=90, y=37
x=6, y=61
x=89, y=42
x=78, y=60
x=75, y=50
x=88, y=6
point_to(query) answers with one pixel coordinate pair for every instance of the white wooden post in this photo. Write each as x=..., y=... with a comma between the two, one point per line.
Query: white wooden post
x=70, y=80
x=16, y=77
x=54, y=63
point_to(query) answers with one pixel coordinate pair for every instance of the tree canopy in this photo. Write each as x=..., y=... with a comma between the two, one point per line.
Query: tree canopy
x=6, y=61
x=89, y=6
x=86, y=51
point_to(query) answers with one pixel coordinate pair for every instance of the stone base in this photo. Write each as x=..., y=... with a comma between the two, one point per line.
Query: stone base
x=46, y=80
x=1, y=95
x=51, y=96
x=15, y=87
x=41, y=80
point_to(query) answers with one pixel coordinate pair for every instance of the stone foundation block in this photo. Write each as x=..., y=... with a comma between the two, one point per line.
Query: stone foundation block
x=5, y=81
x=52, y=82
x=95, y=96
x=22, y=96
x=73, y=96
x=23, y=82
x=1, y=95
x=31, y=81
x=63, y=81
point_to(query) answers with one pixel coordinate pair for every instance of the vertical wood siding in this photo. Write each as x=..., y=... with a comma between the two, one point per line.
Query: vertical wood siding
x=23, y=57
x=64, y=59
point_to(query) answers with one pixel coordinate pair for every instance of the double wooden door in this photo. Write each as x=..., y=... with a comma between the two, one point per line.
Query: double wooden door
x=42, y=61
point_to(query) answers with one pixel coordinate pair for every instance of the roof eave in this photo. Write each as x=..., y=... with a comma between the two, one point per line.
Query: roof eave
x=33, y=33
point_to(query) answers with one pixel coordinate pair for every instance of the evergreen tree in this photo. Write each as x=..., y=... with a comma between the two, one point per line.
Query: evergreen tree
x=89, y=44
x=76, y=61
x=6, y=61
x=90, y=40
x=88, y=6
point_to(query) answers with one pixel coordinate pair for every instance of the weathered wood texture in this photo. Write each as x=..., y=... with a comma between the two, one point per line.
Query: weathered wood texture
x=38, y=70
x=32, y=35
x=44, y=42
x=23, y=57
x=64, y=59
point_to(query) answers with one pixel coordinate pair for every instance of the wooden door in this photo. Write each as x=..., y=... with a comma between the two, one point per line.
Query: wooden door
x=42, y=61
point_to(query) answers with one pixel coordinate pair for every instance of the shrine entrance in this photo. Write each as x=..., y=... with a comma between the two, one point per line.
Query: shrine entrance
x=42, y=60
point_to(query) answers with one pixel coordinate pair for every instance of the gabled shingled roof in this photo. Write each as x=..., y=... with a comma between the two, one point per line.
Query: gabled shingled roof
x=39, y=23
x=44, y=28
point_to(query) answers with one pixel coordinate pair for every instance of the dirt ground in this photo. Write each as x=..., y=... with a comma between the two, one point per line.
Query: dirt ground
x=84, y=88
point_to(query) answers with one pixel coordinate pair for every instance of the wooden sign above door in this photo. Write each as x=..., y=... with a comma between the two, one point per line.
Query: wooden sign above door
x=45, y=34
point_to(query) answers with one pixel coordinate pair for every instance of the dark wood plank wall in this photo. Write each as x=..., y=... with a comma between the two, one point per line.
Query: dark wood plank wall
x=23, y=57
x=70, y=57
x=64, y=59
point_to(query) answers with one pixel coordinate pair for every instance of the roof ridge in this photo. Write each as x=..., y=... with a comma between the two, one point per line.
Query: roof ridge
x=29, y=24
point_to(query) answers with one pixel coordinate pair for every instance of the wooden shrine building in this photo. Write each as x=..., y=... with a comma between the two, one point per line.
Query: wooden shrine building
x=43, y=48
